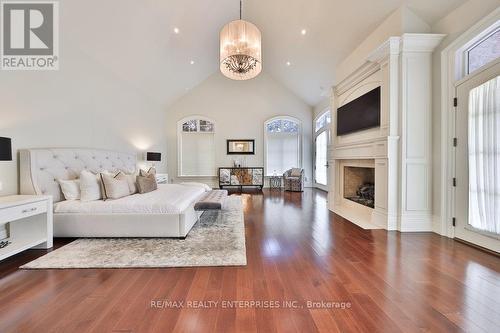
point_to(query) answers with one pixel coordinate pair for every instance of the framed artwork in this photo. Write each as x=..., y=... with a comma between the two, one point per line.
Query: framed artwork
x=241, y=147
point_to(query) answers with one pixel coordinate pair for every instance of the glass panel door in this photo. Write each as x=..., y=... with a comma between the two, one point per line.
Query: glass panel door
x=321, y=160
x=478, y=159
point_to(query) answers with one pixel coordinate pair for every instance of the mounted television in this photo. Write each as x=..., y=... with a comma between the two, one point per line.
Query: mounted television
x=359, y=114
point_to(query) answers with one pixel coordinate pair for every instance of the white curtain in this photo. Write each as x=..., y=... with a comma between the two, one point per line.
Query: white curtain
x=282, y=152
x=484, y=157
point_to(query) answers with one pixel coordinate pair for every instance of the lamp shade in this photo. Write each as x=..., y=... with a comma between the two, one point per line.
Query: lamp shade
x=5, y=149
x=240, y=50
x=152, y=156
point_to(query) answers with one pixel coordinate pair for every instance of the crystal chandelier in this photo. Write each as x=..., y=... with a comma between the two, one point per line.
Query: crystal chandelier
x=240, y=50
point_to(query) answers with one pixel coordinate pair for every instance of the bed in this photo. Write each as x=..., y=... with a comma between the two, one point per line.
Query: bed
x=166, y=212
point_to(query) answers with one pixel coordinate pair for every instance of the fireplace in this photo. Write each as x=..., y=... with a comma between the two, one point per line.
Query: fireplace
x=359, y=185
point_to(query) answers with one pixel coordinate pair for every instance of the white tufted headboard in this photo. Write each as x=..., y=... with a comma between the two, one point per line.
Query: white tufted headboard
x=40, y=168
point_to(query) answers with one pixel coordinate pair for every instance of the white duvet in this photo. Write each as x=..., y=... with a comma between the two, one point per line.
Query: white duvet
x=167, y=199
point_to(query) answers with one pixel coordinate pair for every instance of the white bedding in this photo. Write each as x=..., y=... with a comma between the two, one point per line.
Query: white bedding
x=167, y=199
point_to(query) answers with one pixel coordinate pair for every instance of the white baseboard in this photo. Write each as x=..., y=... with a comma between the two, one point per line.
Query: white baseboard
x=416, y=223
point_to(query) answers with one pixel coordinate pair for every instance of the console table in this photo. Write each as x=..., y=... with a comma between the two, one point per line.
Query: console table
x=29, y=222
x=241, y=177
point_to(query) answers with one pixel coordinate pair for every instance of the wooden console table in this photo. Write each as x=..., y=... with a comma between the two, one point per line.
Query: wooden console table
x=241, y=177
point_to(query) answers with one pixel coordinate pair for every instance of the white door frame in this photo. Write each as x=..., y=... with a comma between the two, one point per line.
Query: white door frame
x=452, y=70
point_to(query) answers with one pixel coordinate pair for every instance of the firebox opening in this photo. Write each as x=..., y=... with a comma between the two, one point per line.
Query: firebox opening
x=359, y=185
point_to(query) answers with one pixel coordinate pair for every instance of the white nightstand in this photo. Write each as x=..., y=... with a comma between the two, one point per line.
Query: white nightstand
x=29, y=222
x=162, y=178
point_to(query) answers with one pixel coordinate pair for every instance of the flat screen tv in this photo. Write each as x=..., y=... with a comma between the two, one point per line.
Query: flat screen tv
x=359, y=114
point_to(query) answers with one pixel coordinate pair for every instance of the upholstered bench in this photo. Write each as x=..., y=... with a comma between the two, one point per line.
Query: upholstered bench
x=212, y=200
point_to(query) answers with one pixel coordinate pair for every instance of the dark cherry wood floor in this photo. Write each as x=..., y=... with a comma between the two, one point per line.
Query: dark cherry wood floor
x=297, y=251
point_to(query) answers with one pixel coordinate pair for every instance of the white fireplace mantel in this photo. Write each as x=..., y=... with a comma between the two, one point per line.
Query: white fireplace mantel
x=401, y=147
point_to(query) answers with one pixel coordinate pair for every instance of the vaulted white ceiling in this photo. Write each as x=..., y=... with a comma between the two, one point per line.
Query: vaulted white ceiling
x=135, y=39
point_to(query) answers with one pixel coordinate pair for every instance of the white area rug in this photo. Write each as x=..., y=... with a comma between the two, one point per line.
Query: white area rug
x=211, y=242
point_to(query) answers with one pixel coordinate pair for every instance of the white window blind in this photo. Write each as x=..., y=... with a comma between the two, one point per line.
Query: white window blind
x=282, y=146
x=197, y=148
x=282, y=152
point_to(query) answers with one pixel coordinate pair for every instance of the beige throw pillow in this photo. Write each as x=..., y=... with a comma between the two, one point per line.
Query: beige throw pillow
x=295, y=172
x=115, y=187
x=151, y=172
x=132, y=186
x=146, y=182
x=70, y=188
x=106, y=172
x=90, y=186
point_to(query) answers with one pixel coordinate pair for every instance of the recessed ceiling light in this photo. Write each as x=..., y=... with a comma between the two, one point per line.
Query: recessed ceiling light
x=288, y=63
x=192, y=62
x=176, y=30
x=303, y=32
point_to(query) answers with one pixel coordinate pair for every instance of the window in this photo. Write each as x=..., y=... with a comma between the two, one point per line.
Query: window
x=483, y=50
x=196, y=147
x=283, y=144
x=323, y=121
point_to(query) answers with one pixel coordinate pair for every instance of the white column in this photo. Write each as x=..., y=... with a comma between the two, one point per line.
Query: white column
x=415, y=99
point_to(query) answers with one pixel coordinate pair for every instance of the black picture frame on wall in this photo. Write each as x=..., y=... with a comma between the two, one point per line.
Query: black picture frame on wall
x=231, y=146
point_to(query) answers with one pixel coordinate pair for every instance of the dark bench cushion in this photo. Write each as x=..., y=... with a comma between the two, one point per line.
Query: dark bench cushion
x=211, y=201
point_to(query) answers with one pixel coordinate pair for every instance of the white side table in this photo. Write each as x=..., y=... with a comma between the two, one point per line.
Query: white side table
x=29, y=222
x=162, y=178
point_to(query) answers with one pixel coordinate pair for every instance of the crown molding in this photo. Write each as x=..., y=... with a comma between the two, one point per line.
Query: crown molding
x=420, y=42
x=389, y=47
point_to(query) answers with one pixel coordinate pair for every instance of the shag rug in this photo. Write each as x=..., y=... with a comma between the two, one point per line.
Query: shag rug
x=212, y=242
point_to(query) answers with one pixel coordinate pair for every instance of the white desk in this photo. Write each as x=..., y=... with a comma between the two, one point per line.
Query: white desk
x=29, y=222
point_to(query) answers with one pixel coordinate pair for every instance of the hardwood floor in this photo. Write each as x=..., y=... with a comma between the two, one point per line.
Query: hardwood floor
x=297, y=251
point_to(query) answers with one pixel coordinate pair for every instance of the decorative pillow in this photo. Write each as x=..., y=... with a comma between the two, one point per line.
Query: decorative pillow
x=106, y=172
x=70, y=188
x=146, y=182
x=144, y=173
x=90, y=186
x=132, y=186
x=114, y=187
x=296, y=172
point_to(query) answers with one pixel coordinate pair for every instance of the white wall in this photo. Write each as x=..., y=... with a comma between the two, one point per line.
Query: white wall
x=401, y=21
x=319, y=108
x=239, y=109
x=454, y=24
x=81, y=105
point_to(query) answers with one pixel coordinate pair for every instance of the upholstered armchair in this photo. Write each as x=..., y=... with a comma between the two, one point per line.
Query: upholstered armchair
x=293, y=180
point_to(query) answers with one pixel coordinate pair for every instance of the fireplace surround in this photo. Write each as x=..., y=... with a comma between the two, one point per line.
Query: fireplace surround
x=399, y=150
